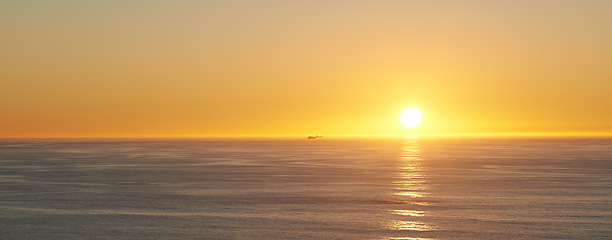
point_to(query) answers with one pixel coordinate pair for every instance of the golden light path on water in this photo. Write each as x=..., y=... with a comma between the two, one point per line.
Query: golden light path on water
x=410, y=187
x=408, y=238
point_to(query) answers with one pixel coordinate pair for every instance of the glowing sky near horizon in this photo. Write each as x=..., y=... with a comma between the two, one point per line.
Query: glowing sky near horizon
x=267, y=68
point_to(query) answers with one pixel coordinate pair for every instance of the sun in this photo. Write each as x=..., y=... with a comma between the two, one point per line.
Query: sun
x=411, y=117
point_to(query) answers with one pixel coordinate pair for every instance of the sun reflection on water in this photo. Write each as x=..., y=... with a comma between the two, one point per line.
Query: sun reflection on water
x=410, y=188
x=410, y=226
x=408, y=238
x=411, y=182
x=413, y=213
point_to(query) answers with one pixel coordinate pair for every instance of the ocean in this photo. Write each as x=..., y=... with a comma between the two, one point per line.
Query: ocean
x=270, y=188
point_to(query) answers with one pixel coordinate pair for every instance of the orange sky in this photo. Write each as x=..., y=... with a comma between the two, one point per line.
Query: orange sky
x=269, y=68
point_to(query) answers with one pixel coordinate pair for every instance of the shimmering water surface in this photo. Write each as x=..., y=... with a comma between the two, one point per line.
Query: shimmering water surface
x=306, y=189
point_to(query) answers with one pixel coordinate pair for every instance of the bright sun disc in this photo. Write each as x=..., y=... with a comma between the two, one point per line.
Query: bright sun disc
x=411, y=117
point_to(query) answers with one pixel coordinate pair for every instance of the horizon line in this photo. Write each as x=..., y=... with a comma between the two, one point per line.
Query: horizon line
x=425, y=135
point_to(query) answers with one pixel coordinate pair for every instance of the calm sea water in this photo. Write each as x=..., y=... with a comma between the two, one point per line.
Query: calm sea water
x=306, y=189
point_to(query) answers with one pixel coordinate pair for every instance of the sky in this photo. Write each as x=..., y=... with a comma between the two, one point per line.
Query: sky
x=188, y=68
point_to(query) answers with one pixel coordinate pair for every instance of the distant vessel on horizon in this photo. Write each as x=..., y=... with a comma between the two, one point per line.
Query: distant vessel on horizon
x=314, y=137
